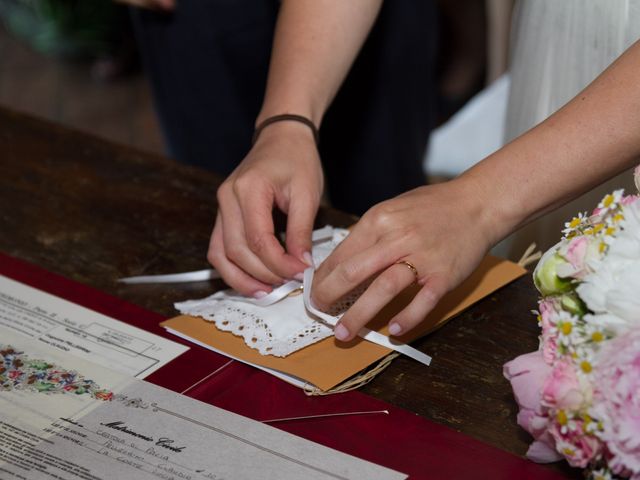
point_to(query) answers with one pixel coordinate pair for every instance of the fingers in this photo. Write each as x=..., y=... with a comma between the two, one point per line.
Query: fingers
x=299, y=228
x=235, y=242
x=381, y=291
x=234, y=276
x=243, y=245
x=347, y=270
x=282, y=171
x=256, y=205
x=425, y=300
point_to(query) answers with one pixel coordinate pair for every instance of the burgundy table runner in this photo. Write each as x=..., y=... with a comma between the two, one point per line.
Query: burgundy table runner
x=399, y=440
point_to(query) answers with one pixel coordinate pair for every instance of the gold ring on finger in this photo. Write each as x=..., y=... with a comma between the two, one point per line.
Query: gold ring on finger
x=411, y=267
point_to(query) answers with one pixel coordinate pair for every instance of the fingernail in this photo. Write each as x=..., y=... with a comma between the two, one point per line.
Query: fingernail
x=299, y=276
x=341, y=332
x=395, y=329
x=308, y=259
x=260, y=294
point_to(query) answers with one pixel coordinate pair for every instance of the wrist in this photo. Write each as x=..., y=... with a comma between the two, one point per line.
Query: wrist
x=305, y=109
x=285, y=130
x=487, y=207
x=283, y=118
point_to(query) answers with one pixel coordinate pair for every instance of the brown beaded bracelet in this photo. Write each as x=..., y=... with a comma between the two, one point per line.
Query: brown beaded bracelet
x=282, y=118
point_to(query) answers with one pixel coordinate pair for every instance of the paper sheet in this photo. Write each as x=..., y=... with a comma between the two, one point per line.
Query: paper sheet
x=123, y=428
x=82, y=332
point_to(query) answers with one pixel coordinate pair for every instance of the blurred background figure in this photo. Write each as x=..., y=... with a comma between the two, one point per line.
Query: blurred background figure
x=75, y=62
x=473, y=56
x=96, y=31
x=462, y=60
x=208, y=61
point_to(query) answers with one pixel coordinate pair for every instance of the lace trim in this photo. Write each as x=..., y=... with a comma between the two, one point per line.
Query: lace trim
x=231, y=316
x=236, y=317
x=257, y=326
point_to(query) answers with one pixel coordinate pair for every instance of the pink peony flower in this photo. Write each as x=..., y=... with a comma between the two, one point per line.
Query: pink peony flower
x=616, y=401
x=561, y=388
x=548, y=313
x=576, y=252
x=579, y=253
x=578, y=447
x=527, y=373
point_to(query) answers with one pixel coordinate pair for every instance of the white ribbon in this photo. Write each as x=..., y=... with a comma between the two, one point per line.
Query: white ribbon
x=197, y=276
x=365, y=333
x=317, y=236
x=322, y=234
x=274, y=296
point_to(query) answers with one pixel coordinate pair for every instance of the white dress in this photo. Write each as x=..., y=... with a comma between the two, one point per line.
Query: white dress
x=558, y=47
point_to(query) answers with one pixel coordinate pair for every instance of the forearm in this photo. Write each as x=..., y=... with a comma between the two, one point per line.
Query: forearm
x=315, y=44
x=592, y=138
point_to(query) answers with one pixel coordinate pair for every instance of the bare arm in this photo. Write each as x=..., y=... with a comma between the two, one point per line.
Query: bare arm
x=315, y=43
x=444, y=230
x=592, y=138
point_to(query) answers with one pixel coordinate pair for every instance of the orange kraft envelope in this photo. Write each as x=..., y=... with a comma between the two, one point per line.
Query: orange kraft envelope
x=328, y=363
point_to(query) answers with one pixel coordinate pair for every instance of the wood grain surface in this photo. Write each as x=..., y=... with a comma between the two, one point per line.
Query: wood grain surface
x=95, y=211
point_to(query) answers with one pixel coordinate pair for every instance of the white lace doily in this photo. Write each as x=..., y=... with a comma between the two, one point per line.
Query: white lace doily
x=279, y=328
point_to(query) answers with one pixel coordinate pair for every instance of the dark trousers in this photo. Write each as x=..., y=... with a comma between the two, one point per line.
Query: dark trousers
x=208, y=64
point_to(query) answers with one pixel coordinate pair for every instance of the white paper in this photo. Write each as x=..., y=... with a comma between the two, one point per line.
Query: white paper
x=136, y=430
x=82, y=332
x=473, y=133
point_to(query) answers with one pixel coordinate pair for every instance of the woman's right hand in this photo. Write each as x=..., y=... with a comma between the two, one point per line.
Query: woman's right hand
x=282, y=170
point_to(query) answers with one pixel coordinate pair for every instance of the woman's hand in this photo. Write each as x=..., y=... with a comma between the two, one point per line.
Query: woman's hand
x=282, y=170
x=441, y=230
x=314, y=45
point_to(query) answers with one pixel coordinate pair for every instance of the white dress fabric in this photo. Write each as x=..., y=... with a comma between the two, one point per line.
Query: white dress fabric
x=558, y=47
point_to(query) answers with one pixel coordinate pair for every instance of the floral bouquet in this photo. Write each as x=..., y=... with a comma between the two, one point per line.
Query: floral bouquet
x=579, y=393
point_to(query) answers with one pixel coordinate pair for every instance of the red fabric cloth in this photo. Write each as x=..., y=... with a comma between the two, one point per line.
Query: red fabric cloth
x=399, y=440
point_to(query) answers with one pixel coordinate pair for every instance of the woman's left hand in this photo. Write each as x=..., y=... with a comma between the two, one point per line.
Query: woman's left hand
x=441, y=230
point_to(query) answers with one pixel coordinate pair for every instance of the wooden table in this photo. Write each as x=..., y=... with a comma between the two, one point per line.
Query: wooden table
x=94, y=212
